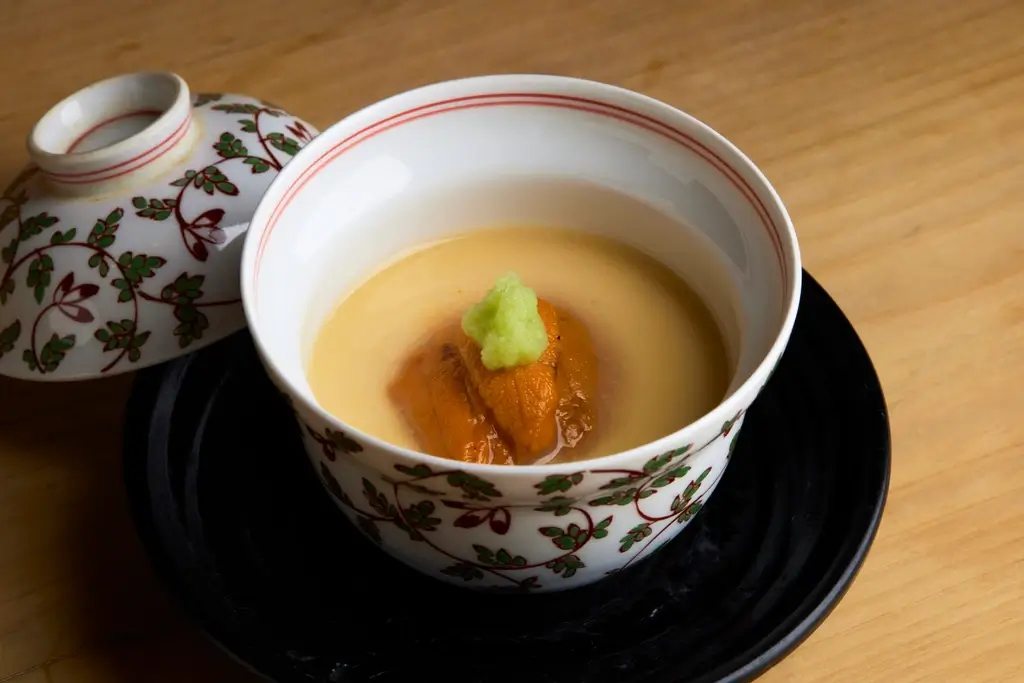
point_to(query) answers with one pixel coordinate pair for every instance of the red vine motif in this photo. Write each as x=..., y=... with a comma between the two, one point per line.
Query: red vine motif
x=204, y=229
x=121, y=336
x=183, y=296
x=477, y=507
x=498, y=518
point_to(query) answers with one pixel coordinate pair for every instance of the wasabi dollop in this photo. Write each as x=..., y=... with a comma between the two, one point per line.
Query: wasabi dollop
x=506, y=325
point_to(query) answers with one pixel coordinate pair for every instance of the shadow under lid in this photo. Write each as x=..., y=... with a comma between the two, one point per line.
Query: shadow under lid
x=244, y=535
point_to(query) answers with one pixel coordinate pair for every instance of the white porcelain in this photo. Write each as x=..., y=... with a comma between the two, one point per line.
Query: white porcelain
x=360, y=194
x=121, y=241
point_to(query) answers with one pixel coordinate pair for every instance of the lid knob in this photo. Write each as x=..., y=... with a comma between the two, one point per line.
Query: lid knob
x=113, y=131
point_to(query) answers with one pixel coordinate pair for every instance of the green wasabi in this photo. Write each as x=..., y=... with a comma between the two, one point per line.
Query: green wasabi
x=506, y=325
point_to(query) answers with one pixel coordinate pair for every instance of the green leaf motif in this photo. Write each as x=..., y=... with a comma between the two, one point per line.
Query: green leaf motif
x=634, y=535
x=571, y=537
x=688, y=513
x=464, y=571
x=102, y=236
x=122, y=335
x=38, y=276
x=732, y=446
x=558, y=483
x=192, y=322
x=619, y=482
x=115, y=329
x=559, y=505
x=8, y=252
x=342, y=442
x=6, y=289
x=658, y=462
x=333, y=486
x=53, y=352
x=601, y=528
x=248, y=125
x=137, y=267
x=369, y=527
x=669, y=476
x=9, y=337
x=126, y=293
x=566, y=566
x=134, y=350
x=695, y=485
x=9, y=214
x=205, y=98
x=729, y=424
x=502, y=559
x=378, y=501
x=33, y=225
x=681, y=501
x=525, y=586
x=230, y=147
x=332, y=442
x=154, y=209
x=237, y=108
x=413, y=520
x=620, y=497
x=258, y=165
x=417, y=471
x=184, y=290
x=211, y=180
x=473, y=487
x=189, y=177
x=283, y=143
x=419, y=516
x=99, y=261
x=59, y=237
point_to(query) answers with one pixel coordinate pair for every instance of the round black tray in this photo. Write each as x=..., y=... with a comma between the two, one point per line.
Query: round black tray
x=244, y=535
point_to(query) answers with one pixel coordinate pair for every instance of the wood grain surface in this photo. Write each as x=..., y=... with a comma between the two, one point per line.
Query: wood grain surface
x=894, y=131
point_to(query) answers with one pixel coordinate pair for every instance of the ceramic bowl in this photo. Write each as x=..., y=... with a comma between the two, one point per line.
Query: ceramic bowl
x=121, y=241
x=360, y=194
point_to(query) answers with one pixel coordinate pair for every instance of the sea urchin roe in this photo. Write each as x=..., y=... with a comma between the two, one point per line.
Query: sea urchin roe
x=506, y=325
x=522, y=400
x=444, y=410
x=460, y=409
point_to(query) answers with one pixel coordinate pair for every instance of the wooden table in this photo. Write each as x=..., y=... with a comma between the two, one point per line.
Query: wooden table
x=894, y=130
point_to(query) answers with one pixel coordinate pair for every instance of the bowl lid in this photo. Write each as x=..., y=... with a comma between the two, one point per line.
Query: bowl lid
x=120, y=242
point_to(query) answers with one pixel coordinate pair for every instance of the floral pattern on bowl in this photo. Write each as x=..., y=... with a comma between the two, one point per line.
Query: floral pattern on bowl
x=462, y=528
x=104, y=271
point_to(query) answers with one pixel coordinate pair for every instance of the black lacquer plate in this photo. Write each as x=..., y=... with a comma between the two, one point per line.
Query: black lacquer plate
x=244, y=535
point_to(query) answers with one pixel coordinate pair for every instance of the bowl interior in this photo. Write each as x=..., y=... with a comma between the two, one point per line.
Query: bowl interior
x=486, y=153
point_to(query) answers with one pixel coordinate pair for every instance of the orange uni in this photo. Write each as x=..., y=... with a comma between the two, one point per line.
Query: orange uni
x=458, y=409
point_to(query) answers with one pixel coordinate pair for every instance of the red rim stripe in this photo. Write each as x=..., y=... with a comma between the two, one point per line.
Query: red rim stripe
x=142, y=112
x=127, y=166
x=535, y=99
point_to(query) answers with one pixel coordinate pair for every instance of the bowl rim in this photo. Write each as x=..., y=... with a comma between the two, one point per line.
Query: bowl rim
x=729, y=408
